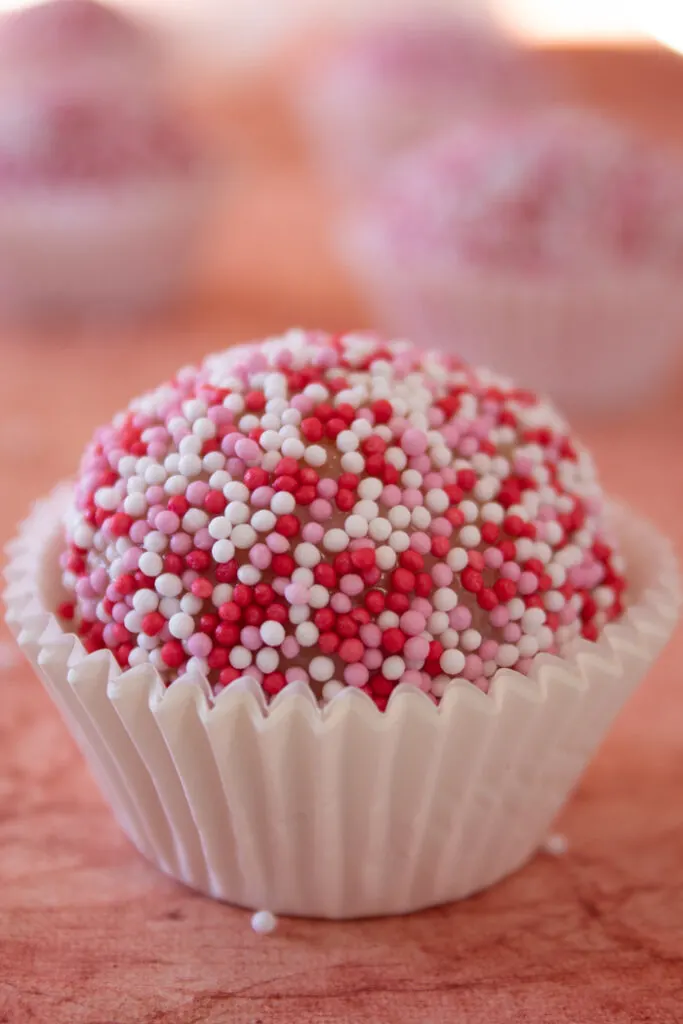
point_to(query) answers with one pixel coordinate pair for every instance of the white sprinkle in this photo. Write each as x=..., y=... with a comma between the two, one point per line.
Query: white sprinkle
x=385, y=557
x=445, y=599
x=399, y=517
x=507, y=655
x=331, y=689
x=321, y=669
x=237, y=512
x=223, y=550
x=356, y=526
x=370, y=488
x=347, y=441
x=452, y=661
x=379, y=529
x=150, y=563
x=242, y=536
x=315, y=455
x=556, y=844
x=336, y=540
x=437, y=500
x=168, y=584
x=319, y=596
x=393, y=667
x=181, y=625
x=267, y=659
x=532, y=620
x=236, y=491
x=306, y=634
x=470, y=537
x=272, y=633
x=457, y=559
x=470, y=640
x=263, y=520
x=145, y=601
x=240, y=657
x=283, y=503
x=306, y=555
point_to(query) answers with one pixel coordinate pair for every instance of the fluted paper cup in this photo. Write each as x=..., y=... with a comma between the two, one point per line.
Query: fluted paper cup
x=341, y=811
x=101, y=250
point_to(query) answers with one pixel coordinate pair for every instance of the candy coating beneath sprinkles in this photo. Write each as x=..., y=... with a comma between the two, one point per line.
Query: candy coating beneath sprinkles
x=338, y=511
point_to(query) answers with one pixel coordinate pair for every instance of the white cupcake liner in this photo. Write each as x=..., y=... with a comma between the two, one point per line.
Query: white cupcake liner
x=594, y=344
x=98, y=249
x=344, y=811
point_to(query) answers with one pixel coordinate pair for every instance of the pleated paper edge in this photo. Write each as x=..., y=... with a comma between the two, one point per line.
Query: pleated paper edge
x=644, y=628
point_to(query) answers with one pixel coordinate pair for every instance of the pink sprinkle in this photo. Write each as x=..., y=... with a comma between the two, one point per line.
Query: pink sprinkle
x=203, y=539
x=528, y=583
x=493, y=558
x=414, y=442
x=441, y=527
x=391, y=496
x=412, y=497
x=131, y=557
x=422, y=463
x=167, y=522
x=442, y=575
x=327, y=488
x=138, y=531
x=416, y=649
x=277, y=543
x=413, y=623
x=250, y=638
x=260, y=556
x=371, y=634
x=431, y=480
x=320, y=509
x=511, y=571
x=511, y=633
x=412, y=677
x=296, y=675
x=199, y=645
x=84, y=588
x=460, y=617
x=313, y=533
x=247, y=449
x=499, y=616
x=296, y=593
x=373, y=658
x=488, y=650
x=181, y=543
x=421, y=542
x=356, y=675
x=196, y=492
x=155, y=495
x=474, y=666
x=340, y=603
x=351, y=585
x=119, y=611
x=261, y=497
x=423, y=606
x=290, y=648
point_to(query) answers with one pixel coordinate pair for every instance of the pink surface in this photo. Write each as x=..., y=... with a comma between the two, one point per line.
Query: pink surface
x=90, y=934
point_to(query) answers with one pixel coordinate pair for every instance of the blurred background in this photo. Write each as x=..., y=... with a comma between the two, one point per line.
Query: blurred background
x=229, y=228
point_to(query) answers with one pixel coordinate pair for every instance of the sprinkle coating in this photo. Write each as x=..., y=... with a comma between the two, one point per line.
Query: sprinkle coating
x=340, y=511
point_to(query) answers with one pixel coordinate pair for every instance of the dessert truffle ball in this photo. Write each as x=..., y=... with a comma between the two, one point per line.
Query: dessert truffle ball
x=62, y=137
x=102, y=199
x=396, y=83
x=561, y=192
x=342, y=511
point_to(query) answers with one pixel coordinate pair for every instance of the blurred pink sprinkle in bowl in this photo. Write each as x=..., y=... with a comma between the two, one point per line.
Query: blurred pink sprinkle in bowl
x=385, y=89
x=548, y=246
x=100, y=201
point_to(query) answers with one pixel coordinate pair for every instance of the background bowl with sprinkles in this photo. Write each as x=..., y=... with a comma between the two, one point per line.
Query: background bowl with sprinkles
x=338, y=622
